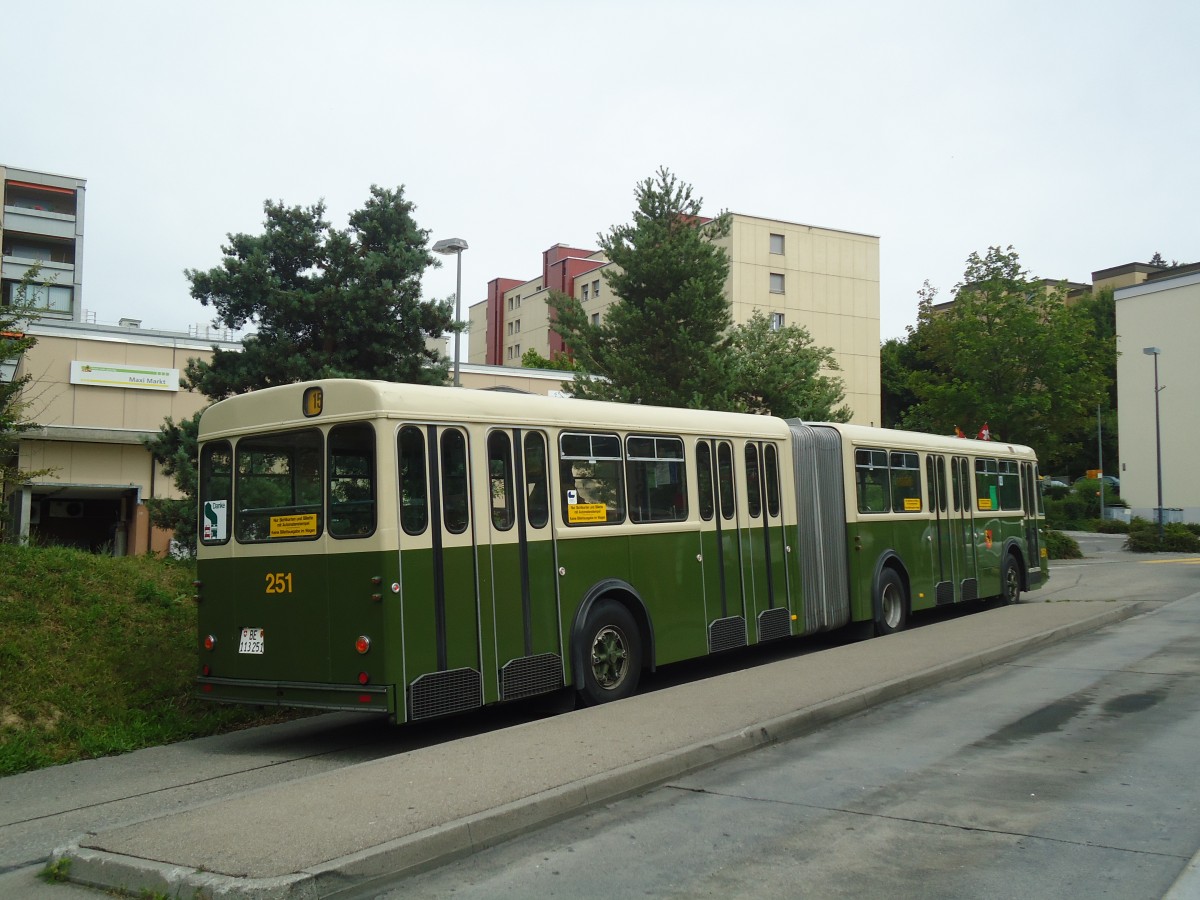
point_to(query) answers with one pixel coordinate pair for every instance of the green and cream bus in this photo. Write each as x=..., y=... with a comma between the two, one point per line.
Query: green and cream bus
x=419, y=551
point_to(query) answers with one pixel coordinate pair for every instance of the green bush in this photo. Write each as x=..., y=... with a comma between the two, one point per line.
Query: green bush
x=1061, y=546
x=1110, y=526
x=1071, y=512
x=1176, y=538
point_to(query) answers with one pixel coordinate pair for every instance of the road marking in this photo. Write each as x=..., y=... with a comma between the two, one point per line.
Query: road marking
x=1190, y=561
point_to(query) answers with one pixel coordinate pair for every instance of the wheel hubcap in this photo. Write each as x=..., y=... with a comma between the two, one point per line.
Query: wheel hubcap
x=892, y=605
x=610, y=657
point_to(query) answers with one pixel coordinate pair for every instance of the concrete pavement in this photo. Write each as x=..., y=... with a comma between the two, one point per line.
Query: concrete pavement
x=321, y=835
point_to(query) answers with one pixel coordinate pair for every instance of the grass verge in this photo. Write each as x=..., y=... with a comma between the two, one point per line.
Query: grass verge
x=97, y=656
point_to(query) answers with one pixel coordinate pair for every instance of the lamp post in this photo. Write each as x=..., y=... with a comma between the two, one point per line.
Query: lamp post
x=446, y=247
x=1155, y=351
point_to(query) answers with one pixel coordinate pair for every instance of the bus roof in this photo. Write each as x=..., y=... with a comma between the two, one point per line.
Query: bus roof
x=353, y=399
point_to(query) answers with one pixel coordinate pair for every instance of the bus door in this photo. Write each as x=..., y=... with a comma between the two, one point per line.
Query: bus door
x=438, y=585
x=942, y=540
x=721, y=547
x=763, y=544
x=524, y=589
x=962, y=530
x=1029, y=489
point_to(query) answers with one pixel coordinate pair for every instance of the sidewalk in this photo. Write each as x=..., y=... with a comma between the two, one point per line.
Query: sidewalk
x=317, y=836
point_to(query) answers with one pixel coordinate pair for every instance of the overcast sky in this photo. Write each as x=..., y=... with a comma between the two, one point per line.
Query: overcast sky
x=1066, y=129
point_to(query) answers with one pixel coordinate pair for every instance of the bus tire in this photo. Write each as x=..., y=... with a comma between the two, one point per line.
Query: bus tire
x=1010, y=581
x=891, y=603
x=611, y=654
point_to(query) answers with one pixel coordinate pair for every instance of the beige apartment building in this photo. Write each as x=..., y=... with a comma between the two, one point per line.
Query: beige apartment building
x=1158, y=319
x=823, y=279
x=96, y=392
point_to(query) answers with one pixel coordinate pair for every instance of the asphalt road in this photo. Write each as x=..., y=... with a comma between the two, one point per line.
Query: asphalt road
x=37, y=814
x=1067, y=773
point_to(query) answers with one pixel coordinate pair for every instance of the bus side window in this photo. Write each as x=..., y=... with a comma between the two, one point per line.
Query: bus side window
x=1010, y=485
x=725, y=478
x=987, y=484
x=455, y=496
x=704, y=480
x=414, y=491
x=906, y=482
x=537, y=496
x=753, y=482
x=500, y=479
x=771, y=464
x=871, y=479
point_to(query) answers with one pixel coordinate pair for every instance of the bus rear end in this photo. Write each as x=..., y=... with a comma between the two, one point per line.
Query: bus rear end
x=291, y=570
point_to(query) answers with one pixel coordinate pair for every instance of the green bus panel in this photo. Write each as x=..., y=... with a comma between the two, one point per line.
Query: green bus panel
x=585, y=562
x=491, y=620
x=665, y=572
x=462, y=609
x=419, y=622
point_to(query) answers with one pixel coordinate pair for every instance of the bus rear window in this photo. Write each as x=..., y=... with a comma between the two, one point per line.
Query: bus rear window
x=216, y=490
x=278, y=487
x=352, y=480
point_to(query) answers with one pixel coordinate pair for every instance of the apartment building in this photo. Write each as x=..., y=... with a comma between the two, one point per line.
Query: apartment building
x=823, y=279
x=1158, y=380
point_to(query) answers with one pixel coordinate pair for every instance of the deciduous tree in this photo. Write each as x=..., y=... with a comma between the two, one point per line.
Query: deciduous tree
x=780, y=372
x=1008, y=353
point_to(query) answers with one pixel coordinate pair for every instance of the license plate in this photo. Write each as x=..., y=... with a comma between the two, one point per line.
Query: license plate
x=251, y=641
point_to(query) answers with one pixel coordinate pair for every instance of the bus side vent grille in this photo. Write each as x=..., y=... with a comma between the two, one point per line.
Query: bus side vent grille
x=774, y=623
x=443, y=693
x=943, y=592
x=725, y=634
x=529, y=675
x=970, y=589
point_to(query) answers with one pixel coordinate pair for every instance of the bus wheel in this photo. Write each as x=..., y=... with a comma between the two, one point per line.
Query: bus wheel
x=1010, y=581
x=891, y=604
x=612, y=654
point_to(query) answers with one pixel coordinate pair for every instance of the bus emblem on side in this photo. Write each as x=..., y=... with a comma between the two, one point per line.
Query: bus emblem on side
x=314, y=399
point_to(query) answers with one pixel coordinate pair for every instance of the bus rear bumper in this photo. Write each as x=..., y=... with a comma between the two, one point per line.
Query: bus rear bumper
x=310, y=695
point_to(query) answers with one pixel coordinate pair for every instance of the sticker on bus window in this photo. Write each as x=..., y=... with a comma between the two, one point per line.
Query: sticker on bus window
x=581, y=513
x=215, y=520
x=294, y=526
x=985, y=503
x=912, y=504
x=572, y=497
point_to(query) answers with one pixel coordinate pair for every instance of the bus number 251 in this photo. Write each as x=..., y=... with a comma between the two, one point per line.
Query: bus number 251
x=279, y=582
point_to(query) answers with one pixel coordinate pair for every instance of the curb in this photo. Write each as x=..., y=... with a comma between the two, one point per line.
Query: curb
x=435, y=846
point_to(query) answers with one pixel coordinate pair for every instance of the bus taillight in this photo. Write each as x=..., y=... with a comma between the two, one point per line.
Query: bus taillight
x=363, y=644
x=363, y=677
x=210, y=641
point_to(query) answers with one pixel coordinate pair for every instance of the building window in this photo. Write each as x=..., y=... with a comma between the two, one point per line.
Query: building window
x=585, y=292
x=510, y=304
x=517, y=326
x=776, y=283
x=595, y=320
x=777, y=244
x=776, y=321
x=510, y=327
x=596, y=288
x=51, y=297
x=518, y=299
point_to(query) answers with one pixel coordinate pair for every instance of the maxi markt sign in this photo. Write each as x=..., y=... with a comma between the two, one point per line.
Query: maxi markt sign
x=110, y=375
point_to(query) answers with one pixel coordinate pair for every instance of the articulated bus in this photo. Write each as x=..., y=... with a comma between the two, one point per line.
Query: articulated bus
x=419, y=551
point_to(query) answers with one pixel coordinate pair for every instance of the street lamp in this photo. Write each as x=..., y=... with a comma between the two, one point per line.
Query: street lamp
x=1155, y=351
x=446, y=247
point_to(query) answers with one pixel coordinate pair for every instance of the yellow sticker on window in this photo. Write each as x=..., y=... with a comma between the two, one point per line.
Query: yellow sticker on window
x=294, y=526
x=912, y=504
x=985, y=503
x=587, y=513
